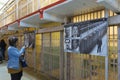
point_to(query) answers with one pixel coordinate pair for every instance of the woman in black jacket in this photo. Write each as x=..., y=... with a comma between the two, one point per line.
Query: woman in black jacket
x=3, y=47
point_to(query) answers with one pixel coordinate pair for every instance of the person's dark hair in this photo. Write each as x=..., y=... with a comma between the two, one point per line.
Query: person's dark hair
x=12, y=41
x=2, y=40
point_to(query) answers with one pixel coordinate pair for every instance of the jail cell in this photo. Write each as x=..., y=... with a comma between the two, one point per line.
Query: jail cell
x=90, y=67
x=30, y=38
x=113, y=52
x=38, y=57
x=85, y=66
x=23, y=9
x=51, y=54
x=28, y=52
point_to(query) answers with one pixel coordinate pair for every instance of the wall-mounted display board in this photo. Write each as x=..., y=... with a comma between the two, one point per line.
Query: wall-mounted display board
x=29, y=39
x=88, y=37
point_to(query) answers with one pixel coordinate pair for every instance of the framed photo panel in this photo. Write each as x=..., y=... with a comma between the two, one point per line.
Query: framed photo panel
x=88, y=37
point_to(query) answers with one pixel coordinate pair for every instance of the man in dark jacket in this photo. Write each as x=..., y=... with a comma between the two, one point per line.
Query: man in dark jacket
x=3, y=47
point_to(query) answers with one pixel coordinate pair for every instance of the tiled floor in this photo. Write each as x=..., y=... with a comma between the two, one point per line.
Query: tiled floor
x=4, y=75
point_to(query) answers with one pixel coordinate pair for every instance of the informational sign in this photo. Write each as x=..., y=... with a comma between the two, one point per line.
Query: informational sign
x=29, y=39
x=89, y=37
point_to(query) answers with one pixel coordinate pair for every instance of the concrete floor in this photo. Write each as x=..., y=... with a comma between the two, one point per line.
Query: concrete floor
x=27, y=75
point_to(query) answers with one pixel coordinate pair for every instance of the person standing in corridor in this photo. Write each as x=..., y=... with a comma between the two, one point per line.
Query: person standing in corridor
x=3, y=48
x=14, y=65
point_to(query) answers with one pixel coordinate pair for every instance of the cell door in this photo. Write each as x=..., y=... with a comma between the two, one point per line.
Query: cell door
x=51, y=54
x=113, y=52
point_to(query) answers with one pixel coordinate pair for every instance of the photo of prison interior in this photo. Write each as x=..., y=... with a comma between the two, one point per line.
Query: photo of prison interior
x=29, y=39
x=86, y=37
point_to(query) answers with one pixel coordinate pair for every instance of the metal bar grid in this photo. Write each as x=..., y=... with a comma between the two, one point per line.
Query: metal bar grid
x=51, y=54
x=83, y=66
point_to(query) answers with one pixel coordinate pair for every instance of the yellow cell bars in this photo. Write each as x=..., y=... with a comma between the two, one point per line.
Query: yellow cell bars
x=38, y=52
x=113, y=52
x=24, y=7
x=46, y=2
x=88, y=16
x=83, y=66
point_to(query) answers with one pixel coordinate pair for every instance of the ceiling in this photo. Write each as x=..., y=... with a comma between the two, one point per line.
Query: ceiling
x=75, y=7
x=2, y=3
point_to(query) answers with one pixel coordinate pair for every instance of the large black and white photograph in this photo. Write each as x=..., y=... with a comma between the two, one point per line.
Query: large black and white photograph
x=29, y=39
x=88, y=37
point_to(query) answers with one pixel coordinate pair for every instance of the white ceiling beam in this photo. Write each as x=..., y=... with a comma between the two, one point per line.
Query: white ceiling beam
x=23, y=24
x=4, y=29
x=13, y=28
x=114, y=20
x=110, y=4
x=52, y=17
